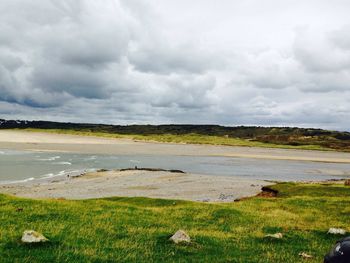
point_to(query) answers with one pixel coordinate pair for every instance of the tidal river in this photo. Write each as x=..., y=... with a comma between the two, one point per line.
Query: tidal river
x=28, y=165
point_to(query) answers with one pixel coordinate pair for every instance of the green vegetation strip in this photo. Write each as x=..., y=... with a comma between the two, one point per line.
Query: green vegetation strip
x=191, y=138
x=138, y=229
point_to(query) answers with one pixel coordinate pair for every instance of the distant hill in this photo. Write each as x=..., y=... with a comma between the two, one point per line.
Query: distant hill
x=276, y=135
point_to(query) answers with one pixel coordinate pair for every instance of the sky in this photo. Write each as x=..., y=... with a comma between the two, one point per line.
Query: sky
x=228, y=62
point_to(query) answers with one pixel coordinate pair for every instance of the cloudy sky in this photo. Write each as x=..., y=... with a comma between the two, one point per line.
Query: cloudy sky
x=231, y=62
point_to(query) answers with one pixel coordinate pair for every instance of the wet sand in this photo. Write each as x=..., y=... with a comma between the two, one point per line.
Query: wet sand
x=158, y=184
x=37, y=141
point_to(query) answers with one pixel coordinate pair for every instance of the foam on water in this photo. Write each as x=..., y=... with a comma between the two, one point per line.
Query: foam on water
x=20, y=181
x=68, y=172
x=50, y=158
x=28, y=179
x=64, y=163
x=13, y=152
x=49, y=175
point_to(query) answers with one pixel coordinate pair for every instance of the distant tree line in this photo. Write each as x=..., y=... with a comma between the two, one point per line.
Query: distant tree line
x=279, y=135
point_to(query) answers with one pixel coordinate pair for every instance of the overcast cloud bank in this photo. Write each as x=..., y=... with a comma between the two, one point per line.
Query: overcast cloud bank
x=123, y=62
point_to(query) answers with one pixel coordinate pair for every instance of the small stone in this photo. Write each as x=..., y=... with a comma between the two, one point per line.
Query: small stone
x=336, y=231
x=305, y=255
x=276, y=235
x=180, y=237
x=31, y=236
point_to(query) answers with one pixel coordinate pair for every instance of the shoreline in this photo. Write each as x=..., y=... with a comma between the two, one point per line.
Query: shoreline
x=153, y=184
x=41, y=141
x=144, y=182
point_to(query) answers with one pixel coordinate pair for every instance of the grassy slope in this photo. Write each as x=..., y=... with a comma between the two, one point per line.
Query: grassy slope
x=137, y=229
x=186, y=138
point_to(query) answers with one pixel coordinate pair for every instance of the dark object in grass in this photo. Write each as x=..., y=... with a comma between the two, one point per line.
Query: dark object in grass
x=268, y=192
x=151, y=170
x=19, y=209
x=340, y=253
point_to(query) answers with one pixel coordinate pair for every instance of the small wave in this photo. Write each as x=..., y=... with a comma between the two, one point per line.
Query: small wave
x=13, y=152
x=62, y=173
x=66, y=172
x=113, y=157
x=134, y=161
x=91, y=158
x=50, y=158
x=28, y=179
x=64, y=163
x=20, y=181
x=48, y=175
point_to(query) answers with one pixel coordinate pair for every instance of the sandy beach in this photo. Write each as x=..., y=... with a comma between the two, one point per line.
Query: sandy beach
x=37, y=141
x=159, y=184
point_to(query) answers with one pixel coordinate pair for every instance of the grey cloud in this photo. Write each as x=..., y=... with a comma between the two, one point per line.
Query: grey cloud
x=341, y=37
x=315, y=64
x=119, y=61
x=79, y=82
x=184, y=92
x=271, y=69
x=68, y=48
x=319, y=52
x=10, y=62
x=167, y=60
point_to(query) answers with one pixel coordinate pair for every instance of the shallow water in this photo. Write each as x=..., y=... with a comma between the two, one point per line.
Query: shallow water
x=27, y=165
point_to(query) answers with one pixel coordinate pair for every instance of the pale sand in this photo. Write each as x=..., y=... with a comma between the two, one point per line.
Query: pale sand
x=204, y=188
x=24, y=140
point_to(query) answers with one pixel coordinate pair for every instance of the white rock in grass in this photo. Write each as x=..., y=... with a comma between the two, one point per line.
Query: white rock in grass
x=180, y=237
x=336, y=231
x=305, y=255
x=31, y=236
x=276, y=235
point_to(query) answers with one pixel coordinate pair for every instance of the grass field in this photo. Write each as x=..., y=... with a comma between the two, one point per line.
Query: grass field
x=137, y=229
x=185, y=138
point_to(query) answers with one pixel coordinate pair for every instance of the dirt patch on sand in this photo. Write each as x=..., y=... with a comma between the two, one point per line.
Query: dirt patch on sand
x=268, y=192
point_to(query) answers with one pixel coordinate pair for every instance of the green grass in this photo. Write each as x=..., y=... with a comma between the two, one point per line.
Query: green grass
x=137, y=229
x=185, y=138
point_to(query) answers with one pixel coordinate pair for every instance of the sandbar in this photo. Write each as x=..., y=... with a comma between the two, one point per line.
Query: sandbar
x=138, y=183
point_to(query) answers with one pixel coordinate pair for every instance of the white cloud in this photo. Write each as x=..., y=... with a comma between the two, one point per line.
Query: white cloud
x=117, y=61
